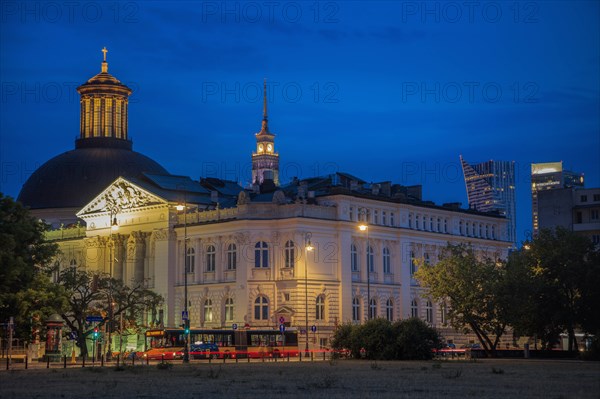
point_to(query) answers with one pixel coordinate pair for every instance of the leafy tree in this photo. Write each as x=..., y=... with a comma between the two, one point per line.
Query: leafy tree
x=415, y=340
x=24, y=256
x=473, y=286
x=92, y=293
x=559, y=290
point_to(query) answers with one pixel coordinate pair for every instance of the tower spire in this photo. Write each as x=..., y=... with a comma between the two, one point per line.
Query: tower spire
x=265, y=121
x=104, y=63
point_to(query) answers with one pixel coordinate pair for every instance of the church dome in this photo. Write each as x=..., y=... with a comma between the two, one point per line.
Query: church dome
x=102, y=153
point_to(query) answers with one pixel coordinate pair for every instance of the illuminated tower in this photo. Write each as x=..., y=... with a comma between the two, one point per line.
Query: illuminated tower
x=265, y=161
x=491, y=187
x=548, y=176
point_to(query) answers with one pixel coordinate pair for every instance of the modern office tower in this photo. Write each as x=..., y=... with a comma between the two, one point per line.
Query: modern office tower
x=491, y=187
x=549, y=176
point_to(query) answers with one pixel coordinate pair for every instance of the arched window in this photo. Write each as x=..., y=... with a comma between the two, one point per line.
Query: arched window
x=370, y=259
x=387, y=269
x=410, y=217
x=444, y=313
x=261, y=308
x=414, y=308
x=373, y=308
x=231, y=257
x=289, y=254
x=229, y=309
x=383, y=218
x=389, y=309
x=190, y=260
x=208, y=311
x=353, y=258
x=320, y=308
x=429, y=312
x=417, y=226
x=392, y=222
x=413, y=264
x=430, y=224
x=355, y=309
x=210, y=258
x=261, y=254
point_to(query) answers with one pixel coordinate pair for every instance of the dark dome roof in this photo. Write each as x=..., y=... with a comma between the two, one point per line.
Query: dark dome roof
x=75, y=177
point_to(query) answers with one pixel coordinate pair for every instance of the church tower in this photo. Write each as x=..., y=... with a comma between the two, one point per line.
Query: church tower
x=265, y=161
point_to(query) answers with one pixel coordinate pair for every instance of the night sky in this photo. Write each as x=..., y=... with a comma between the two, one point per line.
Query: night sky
x=385, y=91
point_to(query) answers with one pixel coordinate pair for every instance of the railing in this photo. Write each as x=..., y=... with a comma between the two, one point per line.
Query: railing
x=65, y=233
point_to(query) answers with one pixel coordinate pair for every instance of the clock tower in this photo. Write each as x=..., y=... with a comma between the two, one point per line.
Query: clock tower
x=265, y=161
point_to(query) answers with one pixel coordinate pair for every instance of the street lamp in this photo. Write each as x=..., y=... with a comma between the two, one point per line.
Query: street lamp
x=365, y=227
x=307, y=248
x=186, y=349
x=114, y=226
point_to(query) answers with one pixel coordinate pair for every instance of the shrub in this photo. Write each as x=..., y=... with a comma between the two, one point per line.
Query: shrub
x=415, y=340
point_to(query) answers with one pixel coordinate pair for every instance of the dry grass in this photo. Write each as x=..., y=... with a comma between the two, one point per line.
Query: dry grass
x=340, y=379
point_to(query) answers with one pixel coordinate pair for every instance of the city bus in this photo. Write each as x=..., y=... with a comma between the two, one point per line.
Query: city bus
x=254, y=343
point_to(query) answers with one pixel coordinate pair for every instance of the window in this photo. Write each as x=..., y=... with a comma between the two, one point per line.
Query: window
x=320, y=308
x=594, y=214
x=353, y=258
x=493, y=232
x=289, y=254
x=370, y=258
x=410, y=216
x=413, y=264
x=231, y=257
x=392, y=219
x=351, y=211
x=596, y=239
x=445, y=225
x=210, y=258
x=261, y=308
x=389, y=309
x=487, y=231
x=229, y=309
x=426, y=258
x=429, y=312
x=460, y=228
x=190, y=260
x=261, y=254
x=355, y=309
x=386, y=261
x=480, y=231
x=417, y=222
x=584, y=198
x=208, y=311
x=579, y=218
x=383, y=218
x=443, y=313
x=430, y=224
x=373, y=308
x=424, y=226
x=414, y=308
x=439, y=224
x=376, y=217
x=596, y=197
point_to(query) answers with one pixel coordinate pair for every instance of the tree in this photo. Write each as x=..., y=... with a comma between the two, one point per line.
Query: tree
x=559, y=291
x=93, y=293
x=473, y=287
x=415, y=340
x=24, y=257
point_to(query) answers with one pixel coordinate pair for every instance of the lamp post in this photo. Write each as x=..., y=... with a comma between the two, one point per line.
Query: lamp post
x=365, y=227
x=307, y=248
x=186, y=349
x=114, y=226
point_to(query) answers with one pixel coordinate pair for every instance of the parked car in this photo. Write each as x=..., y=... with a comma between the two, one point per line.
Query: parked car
x=204, y=351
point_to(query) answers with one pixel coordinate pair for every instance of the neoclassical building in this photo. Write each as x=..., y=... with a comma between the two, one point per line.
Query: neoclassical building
x=266, y=254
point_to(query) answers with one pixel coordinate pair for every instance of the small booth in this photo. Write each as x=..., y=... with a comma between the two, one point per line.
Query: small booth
x=54, y=326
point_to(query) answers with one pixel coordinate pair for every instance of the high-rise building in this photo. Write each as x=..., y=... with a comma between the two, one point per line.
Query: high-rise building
x=549, y=176
x=491, y=187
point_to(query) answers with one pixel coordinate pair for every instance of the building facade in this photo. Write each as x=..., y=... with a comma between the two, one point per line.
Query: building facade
x=549, y=176
x=491, y=187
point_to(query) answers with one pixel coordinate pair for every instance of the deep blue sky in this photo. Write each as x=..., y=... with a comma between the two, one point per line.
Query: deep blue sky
x=386, y=91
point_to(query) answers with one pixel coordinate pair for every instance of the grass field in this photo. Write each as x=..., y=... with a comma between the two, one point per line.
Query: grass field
x=335, y=379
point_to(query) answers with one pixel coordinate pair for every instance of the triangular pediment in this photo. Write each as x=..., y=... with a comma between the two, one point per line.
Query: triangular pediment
x=121, y=195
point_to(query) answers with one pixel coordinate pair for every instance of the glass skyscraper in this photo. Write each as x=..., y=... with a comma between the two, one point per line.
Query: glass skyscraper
x=491, y=187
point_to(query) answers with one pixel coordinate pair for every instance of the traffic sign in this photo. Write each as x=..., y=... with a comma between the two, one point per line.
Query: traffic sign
x=184, y=315
x=313, y=328
x=234, y=326
x=282, y=320
x=94, y=319
x=73, y=335
x=282, y=327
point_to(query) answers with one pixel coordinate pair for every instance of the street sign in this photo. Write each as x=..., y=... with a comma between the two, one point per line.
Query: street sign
x=94, y=319
x=282, y=328
x=184, y=315
x=73, y=335
x=234, y=326
x=282, y=320
x=313, y=328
